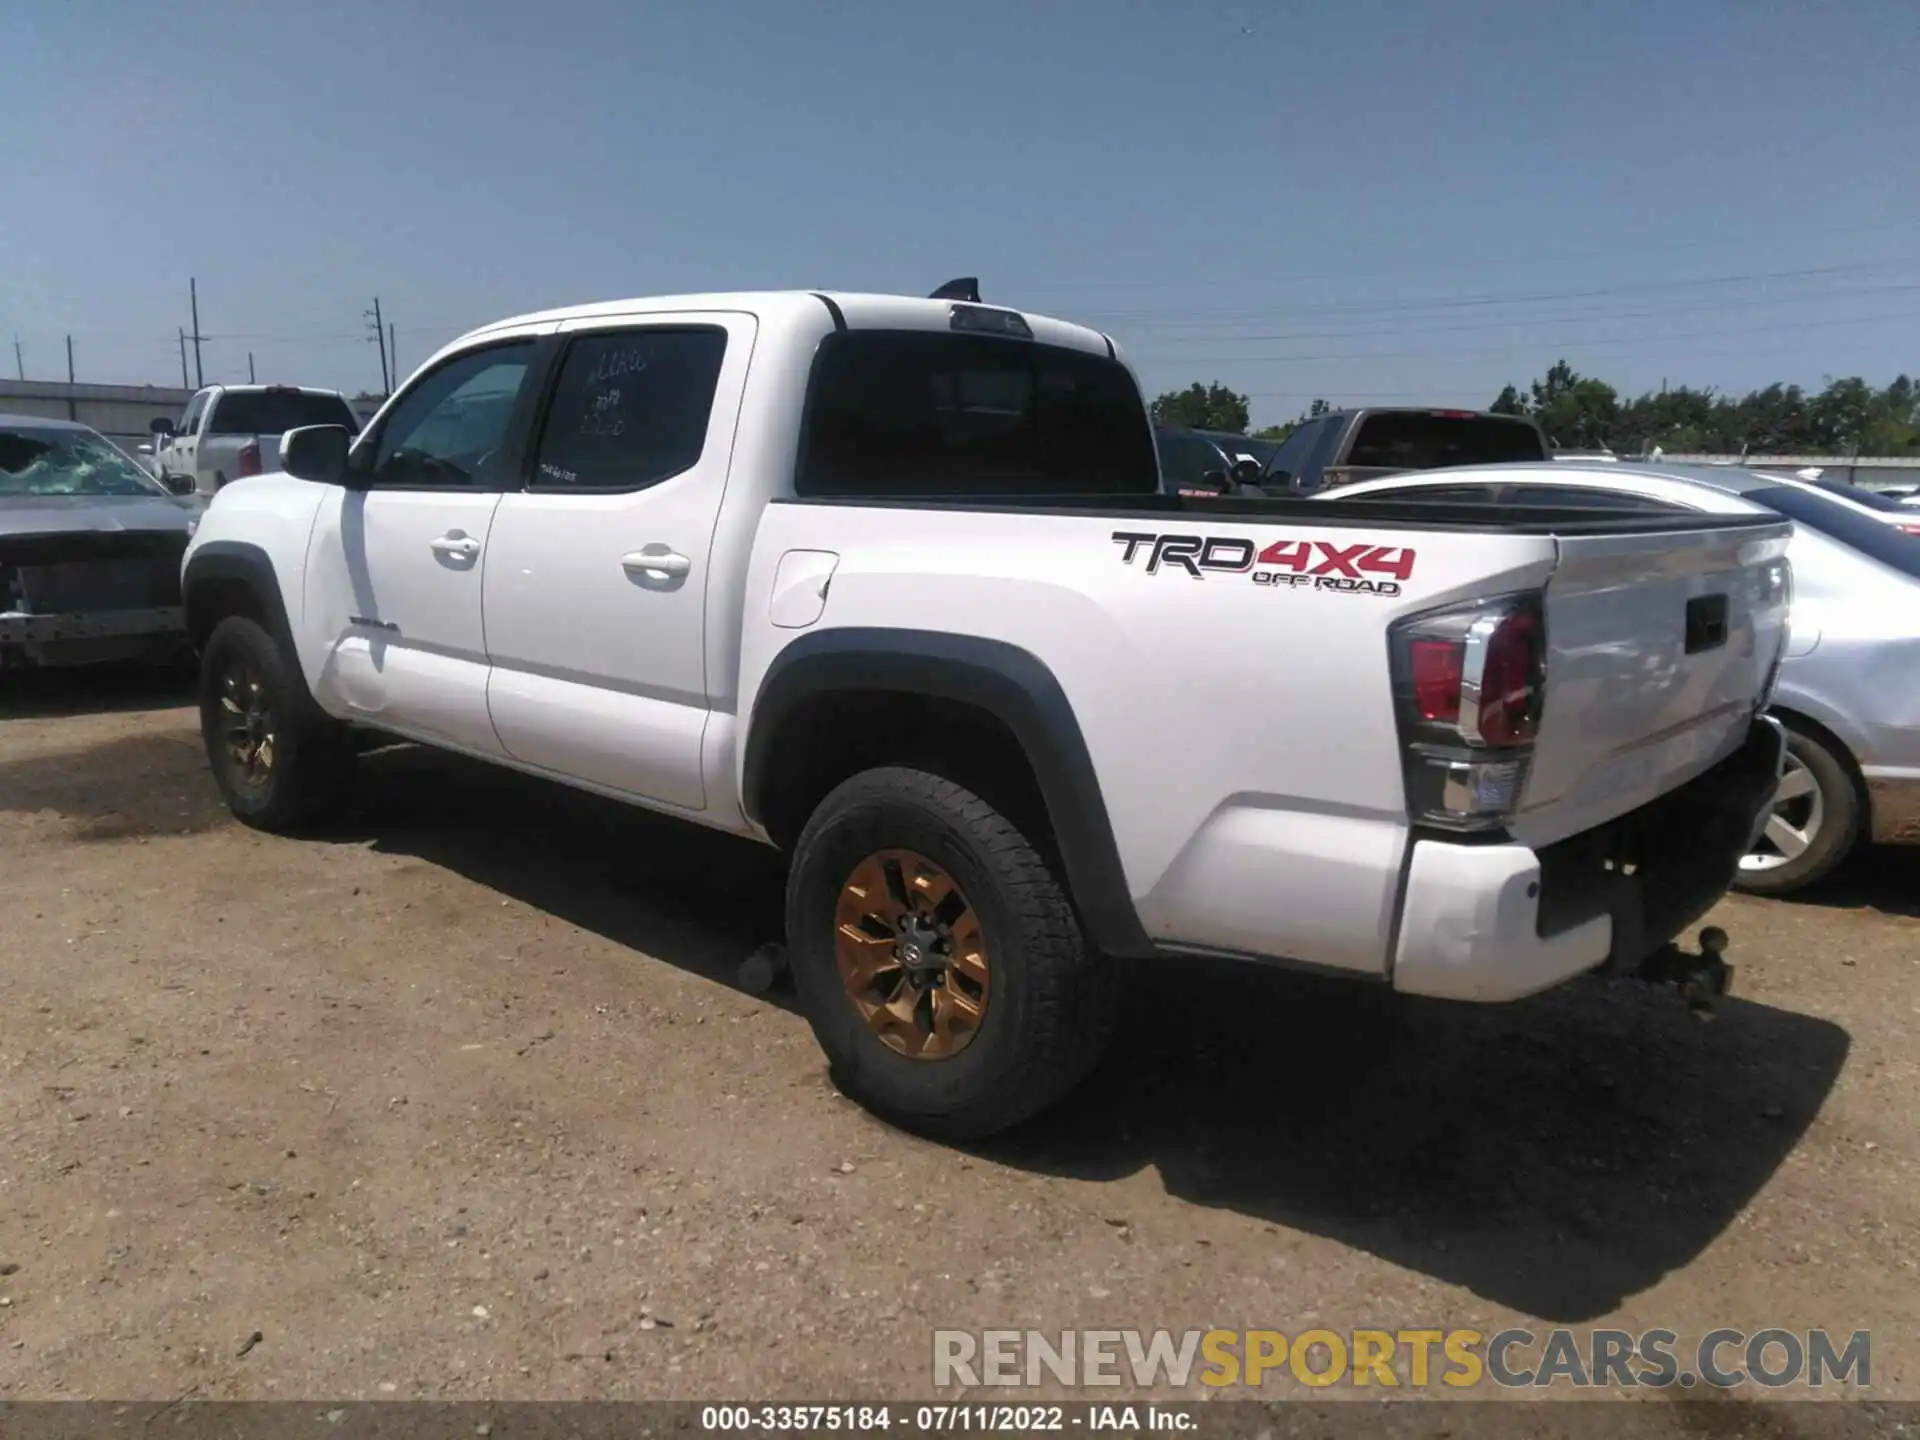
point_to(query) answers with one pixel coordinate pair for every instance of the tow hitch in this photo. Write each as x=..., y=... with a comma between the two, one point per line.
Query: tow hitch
x=1701, y=979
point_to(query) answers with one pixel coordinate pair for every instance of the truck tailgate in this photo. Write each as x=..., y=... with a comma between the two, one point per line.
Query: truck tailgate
x=1657, y=647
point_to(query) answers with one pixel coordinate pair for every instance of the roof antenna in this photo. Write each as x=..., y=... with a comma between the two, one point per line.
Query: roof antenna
x=966, y=288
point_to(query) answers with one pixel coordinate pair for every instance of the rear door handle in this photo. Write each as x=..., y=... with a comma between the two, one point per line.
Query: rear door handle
x=656, y=562
x=456, y=546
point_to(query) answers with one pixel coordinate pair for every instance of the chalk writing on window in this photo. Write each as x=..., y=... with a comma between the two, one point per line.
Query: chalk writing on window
x=602, y=415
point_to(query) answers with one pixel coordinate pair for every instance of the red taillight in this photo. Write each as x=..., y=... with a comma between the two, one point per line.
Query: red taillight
x=1510, y=679
x=1908, y=529
x=1470, y=684
x=1436, y=666
x=249, y=460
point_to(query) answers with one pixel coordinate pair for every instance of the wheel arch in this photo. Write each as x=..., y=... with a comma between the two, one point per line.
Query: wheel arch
x=846, y=700
x=1815, y=728
x=231, y=577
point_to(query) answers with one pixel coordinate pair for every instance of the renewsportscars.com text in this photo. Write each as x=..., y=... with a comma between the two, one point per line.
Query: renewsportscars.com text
x=1413, y=1359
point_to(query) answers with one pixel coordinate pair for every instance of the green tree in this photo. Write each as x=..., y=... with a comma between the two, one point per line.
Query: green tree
x=1202, y=407
x=1847, y=416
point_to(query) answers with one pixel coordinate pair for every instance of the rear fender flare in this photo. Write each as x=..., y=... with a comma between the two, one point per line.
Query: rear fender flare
x=991, y=675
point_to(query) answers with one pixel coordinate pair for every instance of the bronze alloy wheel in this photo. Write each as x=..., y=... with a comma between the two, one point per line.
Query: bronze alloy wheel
x=911, y=955
x=246, y=726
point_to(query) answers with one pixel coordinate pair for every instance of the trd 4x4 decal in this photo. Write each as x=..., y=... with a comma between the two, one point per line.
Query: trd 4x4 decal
x=1352, y=569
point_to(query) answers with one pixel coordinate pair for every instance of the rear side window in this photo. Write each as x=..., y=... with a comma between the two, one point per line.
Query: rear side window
x=1591, y=498
x=629, y=409
x=1885, y=542
x=910, y=412
x=273, y=412
x=1391, y=441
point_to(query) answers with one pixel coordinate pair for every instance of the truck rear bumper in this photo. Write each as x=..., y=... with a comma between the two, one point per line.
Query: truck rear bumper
x=1496, y=922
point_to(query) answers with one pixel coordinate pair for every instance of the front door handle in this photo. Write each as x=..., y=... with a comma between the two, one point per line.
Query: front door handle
x=456, y=546
x=656, y=562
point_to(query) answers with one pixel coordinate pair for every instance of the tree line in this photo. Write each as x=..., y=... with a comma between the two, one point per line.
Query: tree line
x=1844, y=417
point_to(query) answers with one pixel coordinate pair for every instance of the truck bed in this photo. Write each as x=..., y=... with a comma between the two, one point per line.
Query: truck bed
x=1331, y=512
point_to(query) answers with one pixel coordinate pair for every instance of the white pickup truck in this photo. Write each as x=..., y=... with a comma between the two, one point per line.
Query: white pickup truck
x=228, y=432
x=888, y=583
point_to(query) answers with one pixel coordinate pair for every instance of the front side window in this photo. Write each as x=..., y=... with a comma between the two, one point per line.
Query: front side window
x=443, y=432
x=629, y=410
x=190, y=417
x=923, y=413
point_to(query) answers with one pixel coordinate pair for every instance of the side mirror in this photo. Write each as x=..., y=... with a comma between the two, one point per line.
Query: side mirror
x=160, y=425
x=1246, y=471
x=143, y=449
x=179, y=484
x=317, y=453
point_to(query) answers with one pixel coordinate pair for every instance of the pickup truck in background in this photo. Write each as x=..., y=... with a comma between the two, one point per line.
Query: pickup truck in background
x=230, y=431
x=1344, y=446
x=891, y=584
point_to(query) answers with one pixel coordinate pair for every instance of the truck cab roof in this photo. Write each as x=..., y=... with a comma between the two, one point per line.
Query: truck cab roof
x=836, y=309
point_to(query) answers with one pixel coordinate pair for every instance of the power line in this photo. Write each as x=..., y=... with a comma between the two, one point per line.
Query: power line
x=1482, y=262
x=1542, y=345
x=1515, y=322
x=1532, y=297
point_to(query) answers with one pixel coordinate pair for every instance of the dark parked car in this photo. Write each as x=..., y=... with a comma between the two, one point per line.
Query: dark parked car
x=90, y=548
x=1205, y=461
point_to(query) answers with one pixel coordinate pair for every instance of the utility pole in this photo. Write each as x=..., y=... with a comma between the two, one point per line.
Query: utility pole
x=380, y=339
x=73, y=411
x=185, y=384
x=199, y=374
x=393, y=354
x=19, y=364
x=250, y=379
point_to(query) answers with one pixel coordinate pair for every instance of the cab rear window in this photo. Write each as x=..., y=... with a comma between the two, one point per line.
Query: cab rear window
x=273, y=412
x=1401, y=441
x=925, y=413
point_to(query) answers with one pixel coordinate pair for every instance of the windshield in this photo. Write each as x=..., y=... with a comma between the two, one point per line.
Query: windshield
x=1238, y=445
x=1805, y=505
x=1417, y=440
x=68, y=462
x=274, y=412
x=1185, y=459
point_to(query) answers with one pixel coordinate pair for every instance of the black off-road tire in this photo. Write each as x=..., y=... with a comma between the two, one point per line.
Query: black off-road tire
x=311, y=767
x=1052, y=1003
x=1840, y=822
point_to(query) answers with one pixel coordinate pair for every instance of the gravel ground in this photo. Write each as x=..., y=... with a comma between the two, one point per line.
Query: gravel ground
x=460, y=1100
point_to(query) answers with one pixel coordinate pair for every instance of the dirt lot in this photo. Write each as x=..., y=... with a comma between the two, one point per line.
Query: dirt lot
x=461, y=1101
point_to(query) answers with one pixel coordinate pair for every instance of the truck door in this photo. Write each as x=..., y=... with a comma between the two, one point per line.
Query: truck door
x=602, y=562
x=395, y=561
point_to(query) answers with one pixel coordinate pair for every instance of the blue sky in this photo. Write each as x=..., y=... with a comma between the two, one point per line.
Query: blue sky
x=1357, y=199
